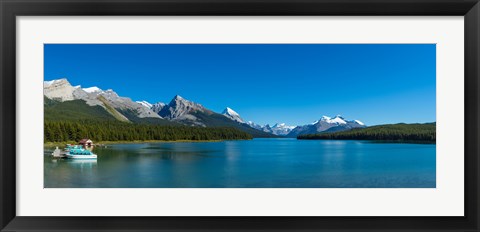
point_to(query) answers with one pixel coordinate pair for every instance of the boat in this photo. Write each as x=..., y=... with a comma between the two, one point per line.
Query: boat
x=78, y=152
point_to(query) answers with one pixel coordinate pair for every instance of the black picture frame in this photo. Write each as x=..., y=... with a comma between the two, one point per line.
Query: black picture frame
x=470, y=9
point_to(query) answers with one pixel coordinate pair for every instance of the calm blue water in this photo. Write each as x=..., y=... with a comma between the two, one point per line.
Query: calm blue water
x=259, y=163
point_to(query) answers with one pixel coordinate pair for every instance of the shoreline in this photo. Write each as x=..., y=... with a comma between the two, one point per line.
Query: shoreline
x=380, y=141
x=101, y=143
x=54, y=144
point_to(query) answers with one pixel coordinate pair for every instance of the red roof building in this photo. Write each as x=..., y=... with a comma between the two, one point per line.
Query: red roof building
x=86, y=142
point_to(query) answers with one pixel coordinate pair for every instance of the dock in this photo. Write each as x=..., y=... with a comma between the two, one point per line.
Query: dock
x=57, y=153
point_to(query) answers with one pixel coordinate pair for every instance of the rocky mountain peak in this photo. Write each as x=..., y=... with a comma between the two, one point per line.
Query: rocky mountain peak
x=56, y=83
x=179, y=108
x=61, y=90
x=231, y=114
x=157, y=107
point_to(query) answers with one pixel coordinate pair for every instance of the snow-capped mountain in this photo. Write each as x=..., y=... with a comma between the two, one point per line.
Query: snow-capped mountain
x=61, y=90
x=326, y=124
x=231, y=114
x=145, y=103
x=281, y=129
x=277, y=129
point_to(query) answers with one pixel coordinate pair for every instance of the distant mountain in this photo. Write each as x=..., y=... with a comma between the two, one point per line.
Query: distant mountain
x=278, y=129
x=191, y=113
x=231, y=114
x=254, y=125
x=326, y=124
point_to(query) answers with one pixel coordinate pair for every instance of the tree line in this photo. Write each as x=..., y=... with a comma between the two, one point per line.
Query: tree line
x=393, y=132
x=62, y=131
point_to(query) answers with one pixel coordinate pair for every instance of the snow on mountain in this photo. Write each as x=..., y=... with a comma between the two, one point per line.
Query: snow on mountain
x=326, y=124
x=231, y=114
x=278, y=129
x=358, y=122
x=254, y=125
x=282, y=125
x=93, y=89
x=281, y=129
x=145, y=103
x=267, y=128
x=336, y=120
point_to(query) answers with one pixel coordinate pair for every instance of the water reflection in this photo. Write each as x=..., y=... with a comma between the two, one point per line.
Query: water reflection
x=81, y=163
x=260, y=163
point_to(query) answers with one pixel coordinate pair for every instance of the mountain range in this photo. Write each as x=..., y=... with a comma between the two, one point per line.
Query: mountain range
x=326, y=124
x=63, y=99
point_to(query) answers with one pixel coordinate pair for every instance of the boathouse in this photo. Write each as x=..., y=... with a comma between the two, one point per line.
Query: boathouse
x=86, y=142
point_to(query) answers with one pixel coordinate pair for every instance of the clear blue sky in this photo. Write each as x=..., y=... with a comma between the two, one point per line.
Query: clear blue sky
x=291, y=83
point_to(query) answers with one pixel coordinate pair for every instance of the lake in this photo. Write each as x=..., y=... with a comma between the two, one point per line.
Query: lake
x=257, y=163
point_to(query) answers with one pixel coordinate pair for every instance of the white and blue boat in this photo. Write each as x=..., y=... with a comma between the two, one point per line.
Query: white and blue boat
x=78, y=152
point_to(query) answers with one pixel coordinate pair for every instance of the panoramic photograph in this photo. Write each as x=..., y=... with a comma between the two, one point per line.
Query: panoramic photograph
x=239, y=116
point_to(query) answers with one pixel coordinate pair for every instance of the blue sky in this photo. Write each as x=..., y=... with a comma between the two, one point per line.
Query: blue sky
x=264, y=83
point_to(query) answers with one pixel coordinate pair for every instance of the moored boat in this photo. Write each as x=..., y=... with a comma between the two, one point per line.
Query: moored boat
x=78, y=152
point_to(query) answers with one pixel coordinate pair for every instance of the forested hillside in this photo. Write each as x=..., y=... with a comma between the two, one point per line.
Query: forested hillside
x=391, y=132
x=75, y=120
x=218, y=120
x=79, y=110
x=73, y=111
x=60, y=131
